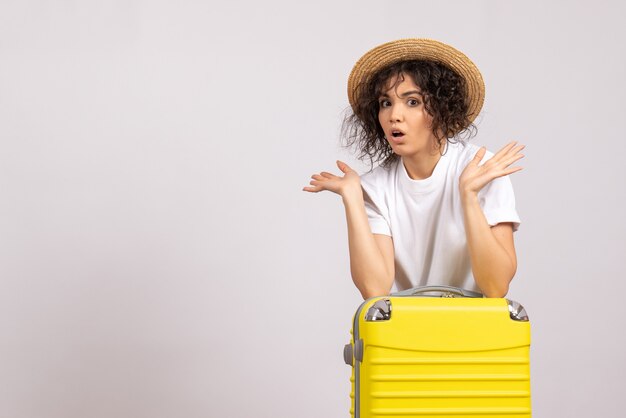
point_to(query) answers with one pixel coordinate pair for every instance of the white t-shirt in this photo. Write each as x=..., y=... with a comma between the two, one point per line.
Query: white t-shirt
x=425, y=218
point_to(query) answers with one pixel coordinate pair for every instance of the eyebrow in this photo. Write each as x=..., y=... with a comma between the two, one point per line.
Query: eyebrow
x=406, y=93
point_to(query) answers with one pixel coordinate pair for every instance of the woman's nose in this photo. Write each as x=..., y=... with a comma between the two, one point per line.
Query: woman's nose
x=395, y=114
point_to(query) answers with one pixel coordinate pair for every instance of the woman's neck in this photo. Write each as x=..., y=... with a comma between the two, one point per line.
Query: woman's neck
x=421, y=166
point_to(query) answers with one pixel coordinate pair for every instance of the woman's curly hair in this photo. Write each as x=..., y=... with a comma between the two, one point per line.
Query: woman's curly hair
x=444, y=97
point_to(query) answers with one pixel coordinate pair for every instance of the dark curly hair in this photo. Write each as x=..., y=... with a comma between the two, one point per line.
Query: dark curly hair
x=444, y=97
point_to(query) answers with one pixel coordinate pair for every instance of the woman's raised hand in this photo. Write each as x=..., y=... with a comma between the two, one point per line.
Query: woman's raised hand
x=349, y=183
x=475, y=177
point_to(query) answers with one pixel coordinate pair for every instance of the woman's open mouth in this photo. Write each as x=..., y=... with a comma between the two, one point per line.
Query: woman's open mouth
x=396, y=136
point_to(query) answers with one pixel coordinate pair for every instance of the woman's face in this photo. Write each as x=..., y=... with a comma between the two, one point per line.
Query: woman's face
x=404, y=119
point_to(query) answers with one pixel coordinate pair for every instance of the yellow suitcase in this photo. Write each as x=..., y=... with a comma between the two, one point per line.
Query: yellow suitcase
x=439, y=351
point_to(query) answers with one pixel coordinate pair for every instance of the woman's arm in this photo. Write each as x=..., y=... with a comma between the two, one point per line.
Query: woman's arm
x=492, y=250
x=371, y=255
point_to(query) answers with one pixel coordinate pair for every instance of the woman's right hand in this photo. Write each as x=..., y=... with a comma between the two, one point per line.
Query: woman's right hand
x=348, y=184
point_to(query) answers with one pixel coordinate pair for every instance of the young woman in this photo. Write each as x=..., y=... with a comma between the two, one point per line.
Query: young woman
x=436, y=210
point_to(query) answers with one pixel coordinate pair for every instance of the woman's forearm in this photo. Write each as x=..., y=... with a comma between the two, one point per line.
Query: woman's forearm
x=493, y=266
x=367, y=264
x=372, y=271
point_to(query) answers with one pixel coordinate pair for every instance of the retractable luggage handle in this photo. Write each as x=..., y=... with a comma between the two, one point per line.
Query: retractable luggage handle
x=447, y=291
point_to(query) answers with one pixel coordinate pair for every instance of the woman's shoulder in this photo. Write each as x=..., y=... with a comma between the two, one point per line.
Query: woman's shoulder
x=463, y=152
x=380, y=172
x=462, y=149
x=379, y=176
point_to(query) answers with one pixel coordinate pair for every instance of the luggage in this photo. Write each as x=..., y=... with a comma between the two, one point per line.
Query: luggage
x=439, y=351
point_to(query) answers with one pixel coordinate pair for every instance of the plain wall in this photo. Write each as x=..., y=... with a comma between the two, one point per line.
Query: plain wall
x=158, y=257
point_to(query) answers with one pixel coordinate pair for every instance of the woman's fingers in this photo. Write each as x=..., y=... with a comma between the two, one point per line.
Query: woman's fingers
x=323, y=176
x=506, y=156
x=512, y=148
x=475, y=177
x=337, y=184
x=500, y=164
x=479, y=155
x=503, y=168
x=322, y=181
x=509, y=170
x=511, y=159
x=504, y=150
x=515, y=150
x=315, y=186
x=512, y=170
x=345, y=168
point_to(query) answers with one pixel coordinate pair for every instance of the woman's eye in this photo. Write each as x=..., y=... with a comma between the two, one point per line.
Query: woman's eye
x=384, y=103
x=413, y=102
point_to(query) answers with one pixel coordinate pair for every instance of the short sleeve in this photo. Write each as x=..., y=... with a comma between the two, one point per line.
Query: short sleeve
x=498, y=202
x=375, y=208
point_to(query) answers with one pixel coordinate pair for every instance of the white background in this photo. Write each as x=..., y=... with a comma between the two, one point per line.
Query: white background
x=158, y=257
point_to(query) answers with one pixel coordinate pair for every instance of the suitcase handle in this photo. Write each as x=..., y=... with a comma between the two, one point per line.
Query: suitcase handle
x=447, y=291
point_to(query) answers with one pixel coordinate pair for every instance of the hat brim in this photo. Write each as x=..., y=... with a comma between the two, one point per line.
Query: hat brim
x=418, y=49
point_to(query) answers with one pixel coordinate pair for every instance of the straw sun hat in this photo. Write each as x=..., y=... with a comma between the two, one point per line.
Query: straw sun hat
x=418, y=49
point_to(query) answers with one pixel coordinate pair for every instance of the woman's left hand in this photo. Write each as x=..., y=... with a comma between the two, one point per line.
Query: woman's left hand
x=475, y=177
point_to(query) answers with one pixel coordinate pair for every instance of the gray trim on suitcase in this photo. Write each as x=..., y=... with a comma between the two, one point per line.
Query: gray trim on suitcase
x=357, y=363
x=443, y=291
